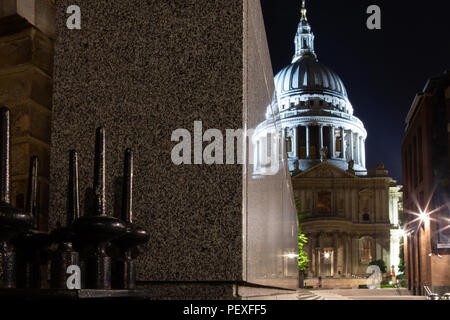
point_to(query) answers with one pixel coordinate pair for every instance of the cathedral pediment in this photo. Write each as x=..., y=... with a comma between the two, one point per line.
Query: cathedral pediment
x=366, y=192
x=323, y=170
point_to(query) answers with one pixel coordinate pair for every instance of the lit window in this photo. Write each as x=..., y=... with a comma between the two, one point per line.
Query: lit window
x=324, y=202
x=366, y=250
x=289, y=145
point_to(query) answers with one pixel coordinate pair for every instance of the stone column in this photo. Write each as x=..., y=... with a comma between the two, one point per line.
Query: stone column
x=307, y=142
x=345, y=244
x=350, y=254
x=336, y=253
x=360, y=149
x=363, y=152
x=295, y=143
x=395, y=211
x=357, y=158
x=353, y=253
x=374, y=247
x=343, y=143
x=320, y=137
x=317, y=255
x=351, y=146
x=332, y=143
x=311, y=243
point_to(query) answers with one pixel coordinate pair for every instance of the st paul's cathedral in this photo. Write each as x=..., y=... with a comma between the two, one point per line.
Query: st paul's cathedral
x=352, y=213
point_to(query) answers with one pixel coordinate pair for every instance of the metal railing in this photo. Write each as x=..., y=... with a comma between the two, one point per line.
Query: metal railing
x=430, y=295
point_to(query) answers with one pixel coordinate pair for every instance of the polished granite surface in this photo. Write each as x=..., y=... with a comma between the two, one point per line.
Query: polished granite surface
x=143, y=69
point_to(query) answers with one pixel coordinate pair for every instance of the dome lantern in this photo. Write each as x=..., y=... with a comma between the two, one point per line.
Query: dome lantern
x=304, y=39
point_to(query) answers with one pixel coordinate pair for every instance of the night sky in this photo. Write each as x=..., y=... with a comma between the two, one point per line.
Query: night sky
x=382, y=70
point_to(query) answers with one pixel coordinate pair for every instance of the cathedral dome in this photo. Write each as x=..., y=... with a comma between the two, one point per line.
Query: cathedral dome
x=308, y=76
x=314, y=111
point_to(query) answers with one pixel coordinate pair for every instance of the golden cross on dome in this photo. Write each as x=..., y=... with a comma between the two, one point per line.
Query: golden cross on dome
x=304, y=10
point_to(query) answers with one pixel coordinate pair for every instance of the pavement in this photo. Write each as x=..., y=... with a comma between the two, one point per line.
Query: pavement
x=364, y=294
x=341, y=294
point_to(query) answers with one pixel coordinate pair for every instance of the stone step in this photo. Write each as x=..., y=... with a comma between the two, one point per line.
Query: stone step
x=309, y=296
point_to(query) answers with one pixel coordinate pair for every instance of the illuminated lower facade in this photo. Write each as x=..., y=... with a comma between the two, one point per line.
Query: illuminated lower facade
x=351, y=220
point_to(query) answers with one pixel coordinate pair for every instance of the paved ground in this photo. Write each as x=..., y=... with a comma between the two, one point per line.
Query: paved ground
x=342, y=294
x=365, y=294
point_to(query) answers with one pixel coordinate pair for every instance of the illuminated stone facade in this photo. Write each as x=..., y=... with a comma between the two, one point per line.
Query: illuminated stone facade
x=353, y=213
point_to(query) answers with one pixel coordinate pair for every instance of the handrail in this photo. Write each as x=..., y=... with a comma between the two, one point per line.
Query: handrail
x=430, y=295
x=427, y=290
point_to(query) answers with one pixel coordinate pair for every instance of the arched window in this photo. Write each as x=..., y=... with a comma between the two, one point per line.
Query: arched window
x=305, y=43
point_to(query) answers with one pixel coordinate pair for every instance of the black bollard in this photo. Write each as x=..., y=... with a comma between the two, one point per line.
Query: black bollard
x=97, y=230
x=66, y=254
x=13, y=221
x=32, y=195
x=134, y=236
x=28, y=262
x=32, y=246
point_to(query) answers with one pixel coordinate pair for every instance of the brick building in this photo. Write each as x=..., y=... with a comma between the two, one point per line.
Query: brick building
x=425, y=161
x=27, y=31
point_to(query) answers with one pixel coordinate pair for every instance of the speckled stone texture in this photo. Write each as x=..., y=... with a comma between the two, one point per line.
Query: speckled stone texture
x=271, y=218
x=144, y=69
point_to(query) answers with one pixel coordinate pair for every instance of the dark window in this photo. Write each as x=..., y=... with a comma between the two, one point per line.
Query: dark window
x=20, y=201
x=405, y=172
x=420, y=151
x=442, y=226
x=415, y=160
x=410, y=166
x=366, y=217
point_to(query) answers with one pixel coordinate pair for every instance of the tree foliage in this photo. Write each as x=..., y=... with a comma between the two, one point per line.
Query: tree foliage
x=302, y=240
x=401, y=265
x=381, y=264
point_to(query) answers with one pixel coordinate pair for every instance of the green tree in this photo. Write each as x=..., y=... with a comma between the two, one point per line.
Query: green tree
x=302, y=240
x=401, y=265
x=381, y=264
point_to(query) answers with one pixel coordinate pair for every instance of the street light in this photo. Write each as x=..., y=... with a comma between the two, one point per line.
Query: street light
x=424, y=217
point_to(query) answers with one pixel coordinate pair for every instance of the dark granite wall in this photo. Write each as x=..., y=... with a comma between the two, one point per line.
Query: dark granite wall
x=143, y=69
